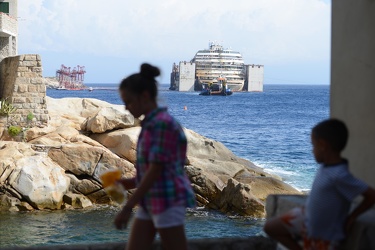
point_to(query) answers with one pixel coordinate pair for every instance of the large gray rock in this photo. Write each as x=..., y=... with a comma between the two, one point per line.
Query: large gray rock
x=42, y=182
x=77, y=200
x=122, y=142
x=88, y=114
x=237, y=197
x=110, y=118
x=78, y=158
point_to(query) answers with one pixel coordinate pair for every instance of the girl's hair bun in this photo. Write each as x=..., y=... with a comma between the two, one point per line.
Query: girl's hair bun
x=148, y=71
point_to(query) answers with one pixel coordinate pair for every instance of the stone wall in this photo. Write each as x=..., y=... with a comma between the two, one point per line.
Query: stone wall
x=256, y=243
x=22, y=84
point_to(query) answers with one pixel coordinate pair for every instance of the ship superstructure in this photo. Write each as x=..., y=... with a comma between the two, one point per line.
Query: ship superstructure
x=208, y=65
x=216, y=61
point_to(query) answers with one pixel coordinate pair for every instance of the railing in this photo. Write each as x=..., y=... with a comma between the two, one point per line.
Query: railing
x=8, y=24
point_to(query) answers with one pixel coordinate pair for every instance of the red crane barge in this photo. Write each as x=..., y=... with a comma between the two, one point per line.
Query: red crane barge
x=71, y=79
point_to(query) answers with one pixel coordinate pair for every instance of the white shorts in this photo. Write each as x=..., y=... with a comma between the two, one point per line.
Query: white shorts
x=172, y=217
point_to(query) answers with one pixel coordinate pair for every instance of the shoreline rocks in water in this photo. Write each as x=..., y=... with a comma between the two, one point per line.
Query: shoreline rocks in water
x=58, y=167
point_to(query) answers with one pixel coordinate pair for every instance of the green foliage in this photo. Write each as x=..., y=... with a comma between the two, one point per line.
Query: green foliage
x=6, y=108
x=14, y=130
x=30, y=116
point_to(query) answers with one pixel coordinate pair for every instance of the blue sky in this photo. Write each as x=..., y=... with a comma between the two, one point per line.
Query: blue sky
x=112, y=38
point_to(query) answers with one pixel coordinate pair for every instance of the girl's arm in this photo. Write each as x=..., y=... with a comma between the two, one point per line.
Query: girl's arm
x=367, y=202
x=151, y=175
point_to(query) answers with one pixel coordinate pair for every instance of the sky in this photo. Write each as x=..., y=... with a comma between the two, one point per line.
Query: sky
x=111, y=38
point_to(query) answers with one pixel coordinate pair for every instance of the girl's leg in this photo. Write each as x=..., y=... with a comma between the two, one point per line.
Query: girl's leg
x=173, y=238
x=142, y=235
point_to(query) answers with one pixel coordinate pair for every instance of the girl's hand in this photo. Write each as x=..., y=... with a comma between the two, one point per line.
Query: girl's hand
x=122, y=218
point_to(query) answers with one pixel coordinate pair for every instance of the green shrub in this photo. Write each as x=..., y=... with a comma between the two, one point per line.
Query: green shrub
x=14, y=130
x=6, y=108
x=30, y=116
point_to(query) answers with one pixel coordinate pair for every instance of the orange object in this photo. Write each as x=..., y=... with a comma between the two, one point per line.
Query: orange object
x=110, y=177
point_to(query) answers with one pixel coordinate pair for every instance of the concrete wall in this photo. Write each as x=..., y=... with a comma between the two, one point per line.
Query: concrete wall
x=186, y=76
x=255, y=78
x=22, y=84
x=13, y=7
x=361, y=236
x=353, y=80
x=9, y=30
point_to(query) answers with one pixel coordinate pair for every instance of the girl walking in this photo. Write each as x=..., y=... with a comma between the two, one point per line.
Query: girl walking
x=163, y=189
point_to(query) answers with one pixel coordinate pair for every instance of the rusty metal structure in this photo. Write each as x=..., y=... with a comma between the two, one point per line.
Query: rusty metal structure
x=71, y=79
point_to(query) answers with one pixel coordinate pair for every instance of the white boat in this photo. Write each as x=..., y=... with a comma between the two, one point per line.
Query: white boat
x=91, y=89
x=216, y=61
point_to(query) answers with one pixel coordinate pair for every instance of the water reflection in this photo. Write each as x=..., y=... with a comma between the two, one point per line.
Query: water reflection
x=96, y=226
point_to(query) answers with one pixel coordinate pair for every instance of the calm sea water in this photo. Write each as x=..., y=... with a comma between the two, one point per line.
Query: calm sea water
x=271, y=129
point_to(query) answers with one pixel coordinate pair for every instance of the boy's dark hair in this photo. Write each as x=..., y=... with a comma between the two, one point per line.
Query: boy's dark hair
x=333, y=131
x=142, y=81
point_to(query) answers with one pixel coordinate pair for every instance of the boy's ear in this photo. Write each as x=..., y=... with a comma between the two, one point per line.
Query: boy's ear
x=321, y=143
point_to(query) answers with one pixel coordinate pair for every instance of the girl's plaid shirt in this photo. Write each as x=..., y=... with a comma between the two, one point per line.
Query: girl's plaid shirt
x=163, y=141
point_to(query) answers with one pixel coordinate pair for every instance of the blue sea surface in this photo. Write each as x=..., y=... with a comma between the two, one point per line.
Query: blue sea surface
x=271, y=129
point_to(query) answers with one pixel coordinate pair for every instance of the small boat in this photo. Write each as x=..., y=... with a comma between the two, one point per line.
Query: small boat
x=219, y=88
x=91, y=89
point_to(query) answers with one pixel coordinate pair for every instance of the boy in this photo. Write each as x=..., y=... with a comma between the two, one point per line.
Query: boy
x=324, y=221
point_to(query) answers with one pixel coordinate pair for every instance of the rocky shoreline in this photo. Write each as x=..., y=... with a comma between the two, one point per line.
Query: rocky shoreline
x=58, y=166
x=50, y=82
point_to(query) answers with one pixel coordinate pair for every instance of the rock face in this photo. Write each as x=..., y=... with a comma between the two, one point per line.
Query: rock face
x=60, y=165
x=51, y=82
x=31, y=176
x=108, y=119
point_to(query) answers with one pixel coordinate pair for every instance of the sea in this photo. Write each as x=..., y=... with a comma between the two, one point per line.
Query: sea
x=270, y=128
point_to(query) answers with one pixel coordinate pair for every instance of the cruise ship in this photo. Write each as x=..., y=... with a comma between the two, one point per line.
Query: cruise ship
x=216, y=62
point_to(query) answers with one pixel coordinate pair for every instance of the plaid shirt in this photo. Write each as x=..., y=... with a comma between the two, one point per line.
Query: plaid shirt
x=163, y=141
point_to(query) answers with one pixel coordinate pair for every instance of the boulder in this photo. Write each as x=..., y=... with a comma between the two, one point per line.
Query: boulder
x=203, y=148
x=87, y=186
x=110, y=118
x=39, y=180
x=77, y=200
x=89, y=114
x=122, y=142
x=263, y=186
x=78, y=158
x=35, y=132
x=237, y=197
x=110, y=161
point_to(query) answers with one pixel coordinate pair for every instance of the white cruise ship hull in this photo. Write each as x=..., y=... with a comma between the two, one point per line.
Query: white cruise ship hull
x=217, y=62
